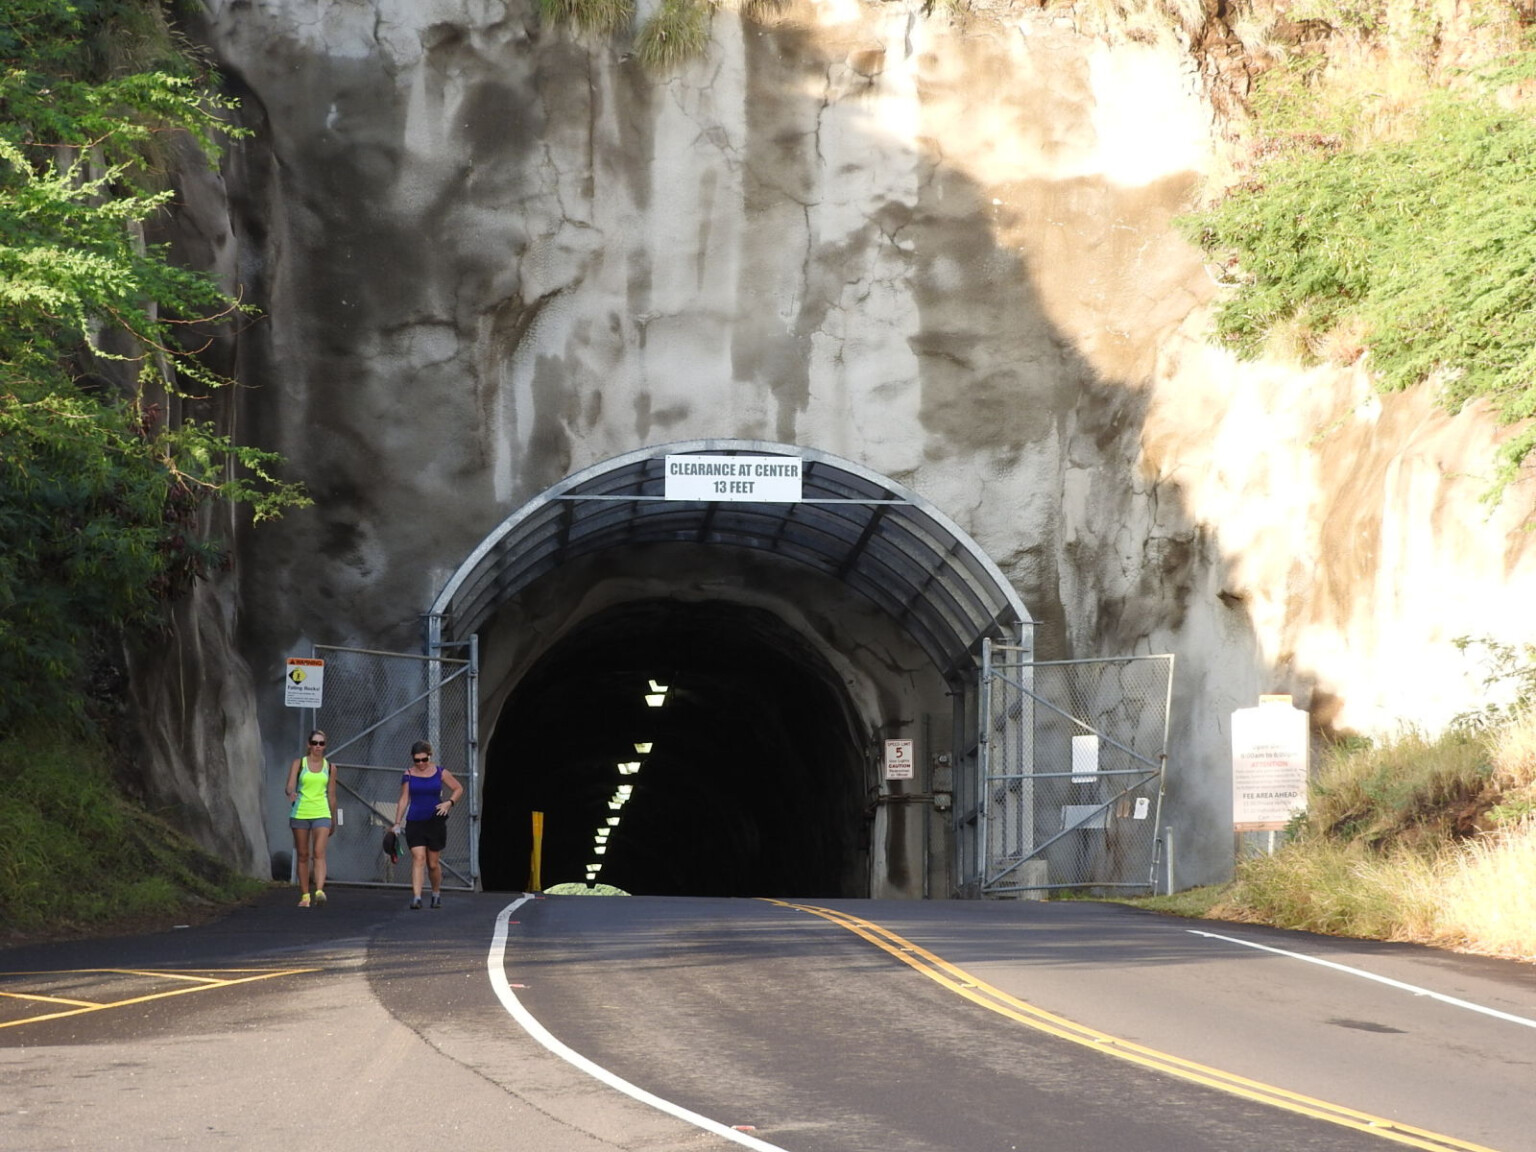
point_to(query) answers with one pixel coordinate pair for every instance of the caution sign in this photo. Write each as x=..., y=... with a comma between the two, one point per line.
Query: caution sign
x=304, y=682
x=898, y=759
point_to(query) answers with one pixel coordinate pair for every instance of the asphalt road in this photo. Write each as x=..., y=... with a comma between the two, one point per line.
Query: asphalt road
x=844, y=1027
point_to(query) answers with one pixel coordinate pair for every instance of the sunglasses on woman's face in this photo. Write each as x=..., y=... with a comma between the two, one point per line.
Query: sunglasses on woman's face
x=421, y=759
x=321, y=743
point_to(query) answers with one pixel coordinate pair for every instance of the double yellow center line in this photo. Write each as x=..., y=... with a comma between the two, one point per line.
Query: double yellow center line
x=994, y=999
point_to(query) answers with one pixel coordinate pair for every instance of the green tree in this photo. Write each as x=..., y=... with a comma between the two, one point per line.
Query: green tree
x=99, y=335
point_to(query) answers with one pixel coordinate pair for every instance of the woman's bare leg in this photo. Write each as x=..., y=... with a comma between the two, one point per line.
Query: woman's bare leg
x=301, y=849
x=322, y=835
x=418, y=866
x=435, y=871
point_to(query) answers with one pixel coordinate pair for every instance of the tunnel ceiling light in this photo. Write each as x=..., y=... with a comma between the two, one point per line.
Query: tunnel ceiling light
x=628, y=767
x=613, y=821
x=601, y=838
x=655, y=687
x=616, y=804
x=600, y=849
x=625, y=789
x=644, y=746
x=655, y=699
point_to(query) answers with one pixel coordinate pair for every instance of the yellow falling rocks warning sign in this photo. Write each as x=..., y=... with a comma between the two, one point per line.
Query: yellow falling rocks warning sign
x=304, y=682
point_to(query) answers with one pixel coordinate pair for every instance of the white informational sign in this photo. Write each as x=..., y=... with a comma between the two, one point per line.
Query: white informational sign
x=764, y=479
x=304, y=682
x=1270, y=746
x=898, y=759
x=1085, y=759
x=1094, y=817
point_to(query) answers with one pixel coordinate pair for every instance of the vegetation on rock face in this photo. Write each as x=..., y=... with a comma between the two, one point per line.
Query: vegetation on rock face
x=1389, y=208
x=678, y=32
x=675, y=32
x=76, y=855
x=101, y=475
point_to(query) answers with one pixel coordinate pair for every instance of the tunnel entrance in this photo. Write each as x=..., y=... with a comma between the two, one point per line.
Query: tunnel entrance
x=799, y=635
x=748, y=779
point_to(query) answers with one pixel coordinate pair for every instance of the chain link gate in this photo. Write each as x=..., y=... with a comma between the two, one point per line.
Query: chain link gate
x=375, y=706
x=1070, y=765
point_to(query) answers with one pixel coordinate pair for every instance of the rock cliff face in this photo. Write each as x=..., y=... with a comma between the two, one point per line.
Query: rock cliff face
x=491, y=254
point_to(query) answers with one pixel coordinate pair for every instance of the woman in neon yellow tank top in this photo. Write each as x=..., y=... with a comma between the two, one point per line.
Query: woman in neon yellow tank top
x=312, y=794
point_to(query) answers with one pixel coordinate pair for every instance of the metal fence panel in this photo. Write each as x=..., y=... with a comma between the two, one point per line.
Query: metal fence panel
x=1073, y=759
x=375, y=706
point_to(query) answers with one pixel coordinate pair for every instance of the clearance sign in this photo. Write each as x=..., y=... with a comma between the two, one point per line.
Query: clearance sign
x=304, y=682
x=764, y=479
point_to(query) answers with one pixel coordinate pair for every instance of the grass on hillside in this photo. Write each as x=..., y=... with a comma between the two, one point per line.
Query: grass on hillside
x=1385, y=216
x=1431, y=841
x=77, y=857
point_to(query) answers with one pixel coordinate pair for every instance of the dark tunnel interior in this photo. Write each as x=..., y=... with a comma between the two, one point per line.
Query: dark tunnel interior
x=754, y=783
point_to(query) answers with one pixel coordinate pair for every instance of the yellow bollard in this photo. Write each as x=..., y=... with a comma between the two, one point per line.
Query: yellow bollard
x=534, y=864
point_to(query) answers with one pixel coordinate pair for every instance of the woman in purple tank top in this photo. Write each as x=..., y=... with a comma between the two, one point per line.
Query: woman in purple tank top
x=424, y=814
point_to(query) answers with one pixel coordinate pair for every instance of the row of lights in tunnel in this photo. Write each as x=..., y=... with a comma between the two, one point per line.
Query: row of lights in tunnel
x=655, y=698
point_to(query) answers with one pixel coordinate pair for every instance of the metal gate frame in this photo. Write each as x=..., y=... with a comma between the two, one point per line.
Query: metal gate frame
x=437, y=695
x=1010, y=712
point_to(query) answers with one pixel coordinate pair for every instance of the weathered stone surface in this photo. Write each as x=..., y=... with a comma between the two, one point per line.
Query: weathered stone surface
x=490, y=255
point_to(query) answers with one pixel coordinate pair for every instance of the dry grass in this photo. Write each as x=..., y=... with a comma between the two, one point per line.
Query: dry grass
x=1390, y=848
x=677, y=33
x=598, y=17
x=1513, y=751
x=1486, y=895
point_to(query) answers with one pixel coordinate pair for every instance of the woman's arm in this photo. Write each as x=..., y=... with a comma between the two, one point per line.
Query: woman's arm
x=330, y=790
x=452, y=801
x=291, y=788
x=403, y=803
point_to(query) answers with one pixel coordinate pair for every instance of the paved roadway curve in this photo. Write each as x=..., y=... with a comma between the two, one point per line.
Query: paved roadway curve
x=846, y=1026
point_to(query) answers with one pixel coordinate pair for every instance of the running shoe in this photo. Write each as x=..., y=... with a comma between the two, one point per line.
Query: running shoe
x=319, y=896
x=437, y=901
x=416, y=904
x=304, y=900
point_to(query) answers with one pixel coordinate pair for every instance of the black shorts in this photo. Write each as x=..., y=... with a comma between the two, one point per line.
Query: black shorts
x=431, y=833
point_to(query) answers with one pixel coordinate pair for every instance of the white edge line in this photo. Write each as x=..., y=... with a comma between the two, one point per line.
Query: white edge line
x=1415, y=989
x=495, y=965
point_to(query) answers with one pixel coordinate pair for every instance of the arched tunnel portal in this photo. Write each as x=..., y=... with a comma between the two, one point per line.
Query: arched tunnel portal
x=787, y=641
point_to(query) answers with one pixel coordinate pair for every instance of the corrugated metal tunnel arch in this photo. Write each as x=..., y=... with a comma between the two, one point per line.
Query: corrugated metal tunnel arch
x=883, y=541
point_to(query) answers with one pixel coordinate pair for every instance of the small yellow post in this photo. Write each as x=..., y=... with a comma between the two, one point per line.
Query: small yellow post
x=534, y=884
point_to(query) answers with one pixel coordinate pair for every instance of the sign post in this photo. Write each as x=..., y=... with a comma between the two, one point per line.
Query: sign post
x=1270, y=752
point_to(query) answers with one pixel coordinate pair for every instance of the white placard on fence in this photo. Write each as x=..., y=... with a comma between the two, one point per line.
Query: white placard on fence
x=1085, y=759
